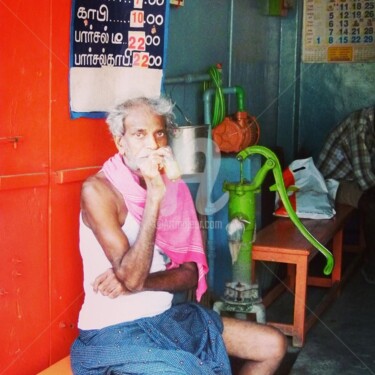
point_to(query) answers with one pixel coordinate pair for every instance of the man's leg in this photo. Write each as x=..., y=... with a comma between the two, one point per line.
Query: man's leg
x=262, y=347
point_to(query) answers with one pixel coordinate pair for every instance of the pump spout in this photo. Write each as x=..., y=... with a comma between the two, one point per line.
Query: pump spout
x=235, y=230
x=274, y=164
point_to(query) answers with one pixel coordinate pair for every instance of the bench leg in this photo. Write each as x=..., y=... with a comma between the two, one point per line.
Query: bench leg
x=300, y=302
x=337, y=249
x=291, y=273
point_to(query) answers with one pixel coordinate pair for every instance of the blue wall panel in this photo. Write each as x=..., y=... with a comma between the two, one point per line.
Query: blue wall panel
x=329, y=92
x=296, y=104
x=236, y=34
x=317, y=96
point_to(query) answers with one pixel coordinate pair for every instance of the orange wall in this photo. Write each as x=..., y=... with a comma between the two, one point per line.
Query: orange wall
x=44, y=157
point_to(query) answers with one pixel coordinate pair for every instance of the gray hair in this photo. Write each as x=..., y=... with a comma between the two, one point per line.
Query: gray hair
x=160, y=106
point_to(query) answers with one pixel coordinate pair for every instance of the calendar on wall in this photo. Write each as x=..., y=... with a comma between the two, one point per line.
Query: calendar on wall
x=117, y=52
x=336, y=31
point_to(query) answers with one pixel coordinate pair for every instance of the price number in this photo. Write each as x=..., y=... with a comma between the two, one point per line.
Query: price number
x=137, y=41
x=137, y=18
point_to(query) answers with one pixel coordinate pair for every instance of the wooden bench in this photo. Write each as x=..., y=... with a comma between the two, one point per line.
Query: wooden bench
x=282, y=242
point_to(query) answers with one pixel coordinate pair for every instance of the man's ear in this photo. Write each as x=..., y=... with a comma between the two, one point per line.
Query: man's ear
x=119, y=142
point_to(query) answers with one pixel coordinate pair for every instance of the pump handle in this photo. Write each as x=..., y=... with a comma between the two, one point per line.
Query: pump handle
x=278, y=175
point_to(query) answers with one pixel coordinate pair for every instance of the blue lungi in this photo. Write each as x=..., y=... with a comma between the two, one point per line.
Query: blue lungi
x=184, y=340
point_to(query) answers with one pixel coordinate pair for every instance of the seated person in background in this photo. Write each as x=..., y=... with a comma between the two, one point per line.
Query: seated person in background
x=140, y=242
x=348, y=156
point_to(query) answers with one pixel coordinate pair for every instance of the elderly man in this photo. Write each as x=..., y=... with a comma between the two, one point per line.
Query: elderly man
x=140, y=243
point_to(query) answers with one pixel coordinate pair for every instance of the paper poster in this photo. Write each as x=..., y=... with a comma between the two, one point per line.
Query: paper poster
x=117, y=52
x=338, y=31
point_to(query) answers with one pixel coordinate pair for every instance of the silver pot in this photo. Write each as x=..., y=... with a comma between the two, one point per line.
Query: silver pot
x=189, y=147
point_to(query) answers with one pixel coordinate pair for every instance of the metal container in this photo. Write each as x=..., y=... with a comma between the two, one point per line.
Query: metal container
x=189, y=144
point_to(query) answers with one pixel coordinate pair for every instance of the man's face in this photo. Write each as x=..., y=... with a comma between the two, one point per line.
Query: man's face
x=144, y=132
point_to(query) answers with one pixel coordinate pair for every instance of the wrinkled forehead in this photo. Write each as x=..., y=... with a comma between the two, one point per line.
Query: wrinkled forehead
x=143, y=117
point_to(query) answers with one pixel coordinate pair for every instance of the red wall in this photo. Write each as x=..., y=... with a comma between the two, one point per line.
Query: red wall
x=44, y=157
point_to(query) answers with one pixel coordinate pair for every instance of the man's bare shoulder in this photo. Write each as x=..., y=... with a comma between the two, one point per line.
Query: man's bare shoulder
x=99, y=188
x=100, y=199
x=96, y=183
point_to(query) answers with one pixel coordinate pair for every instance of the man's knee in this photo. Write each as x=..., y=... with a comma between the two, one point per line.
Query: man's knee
x=278, y=345
x=249, y=340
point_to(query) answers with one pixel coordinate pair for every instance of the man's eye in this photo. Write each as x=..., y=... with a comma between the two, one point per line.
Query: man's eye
x=139, y=135
x=161, y=134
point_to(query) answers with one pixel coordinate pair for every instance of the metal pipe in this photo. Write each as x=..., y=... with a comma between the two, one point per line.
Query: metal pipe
x=238, y=90
x=230, y=52
x=209, y=206
x=209, y=210
x=188, y=78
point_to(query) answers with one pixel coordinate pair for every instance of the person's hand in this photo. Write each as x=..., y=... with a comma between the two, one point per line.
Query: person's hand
x=108, y=285
x=151, y=168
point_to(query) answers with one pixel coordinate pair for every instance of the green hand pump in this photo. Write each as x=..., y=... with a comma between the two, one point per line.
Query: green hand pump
x=241, y=296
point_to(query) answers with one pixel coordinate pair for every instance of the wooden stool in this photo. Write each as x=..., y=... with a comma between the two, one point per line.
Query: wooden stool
x=61, y=367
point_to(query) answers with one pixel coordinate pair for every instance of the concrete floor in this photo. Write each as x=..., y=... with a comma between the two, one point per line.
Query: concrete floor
x=343, y=339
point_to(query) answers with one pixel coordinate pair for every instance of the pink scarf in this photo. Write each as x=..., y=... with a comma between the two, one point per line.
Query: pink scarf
x=178, y=232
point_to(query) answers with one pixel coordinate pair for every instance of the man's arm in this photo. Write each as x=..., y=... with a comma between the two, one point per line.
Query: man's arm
x=104, y=212
x=102, y=208
x=174, y=280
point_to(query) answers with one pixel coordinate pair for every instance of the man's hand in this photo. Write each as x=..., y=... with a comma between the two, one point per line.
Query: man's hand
x=108, y=285
x=151, y=168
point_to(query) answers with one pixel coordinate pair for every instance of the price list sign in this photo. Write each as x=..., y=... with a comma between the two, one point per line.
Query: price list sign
x=337, y=31
x=117, y=52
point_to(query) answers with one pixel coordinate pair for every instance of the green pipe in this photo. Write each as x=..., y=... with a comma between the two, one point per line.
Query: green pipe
x=240, y=97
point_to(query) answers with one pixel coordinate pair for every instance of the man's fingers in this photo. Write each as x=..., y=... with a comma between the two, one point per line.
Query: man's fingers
x=98, y=281
x=115, y=292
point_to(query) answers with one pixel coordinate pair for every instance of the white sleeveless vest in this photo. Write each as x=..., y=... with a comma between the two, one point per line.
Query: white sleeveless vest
x=99, y=311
